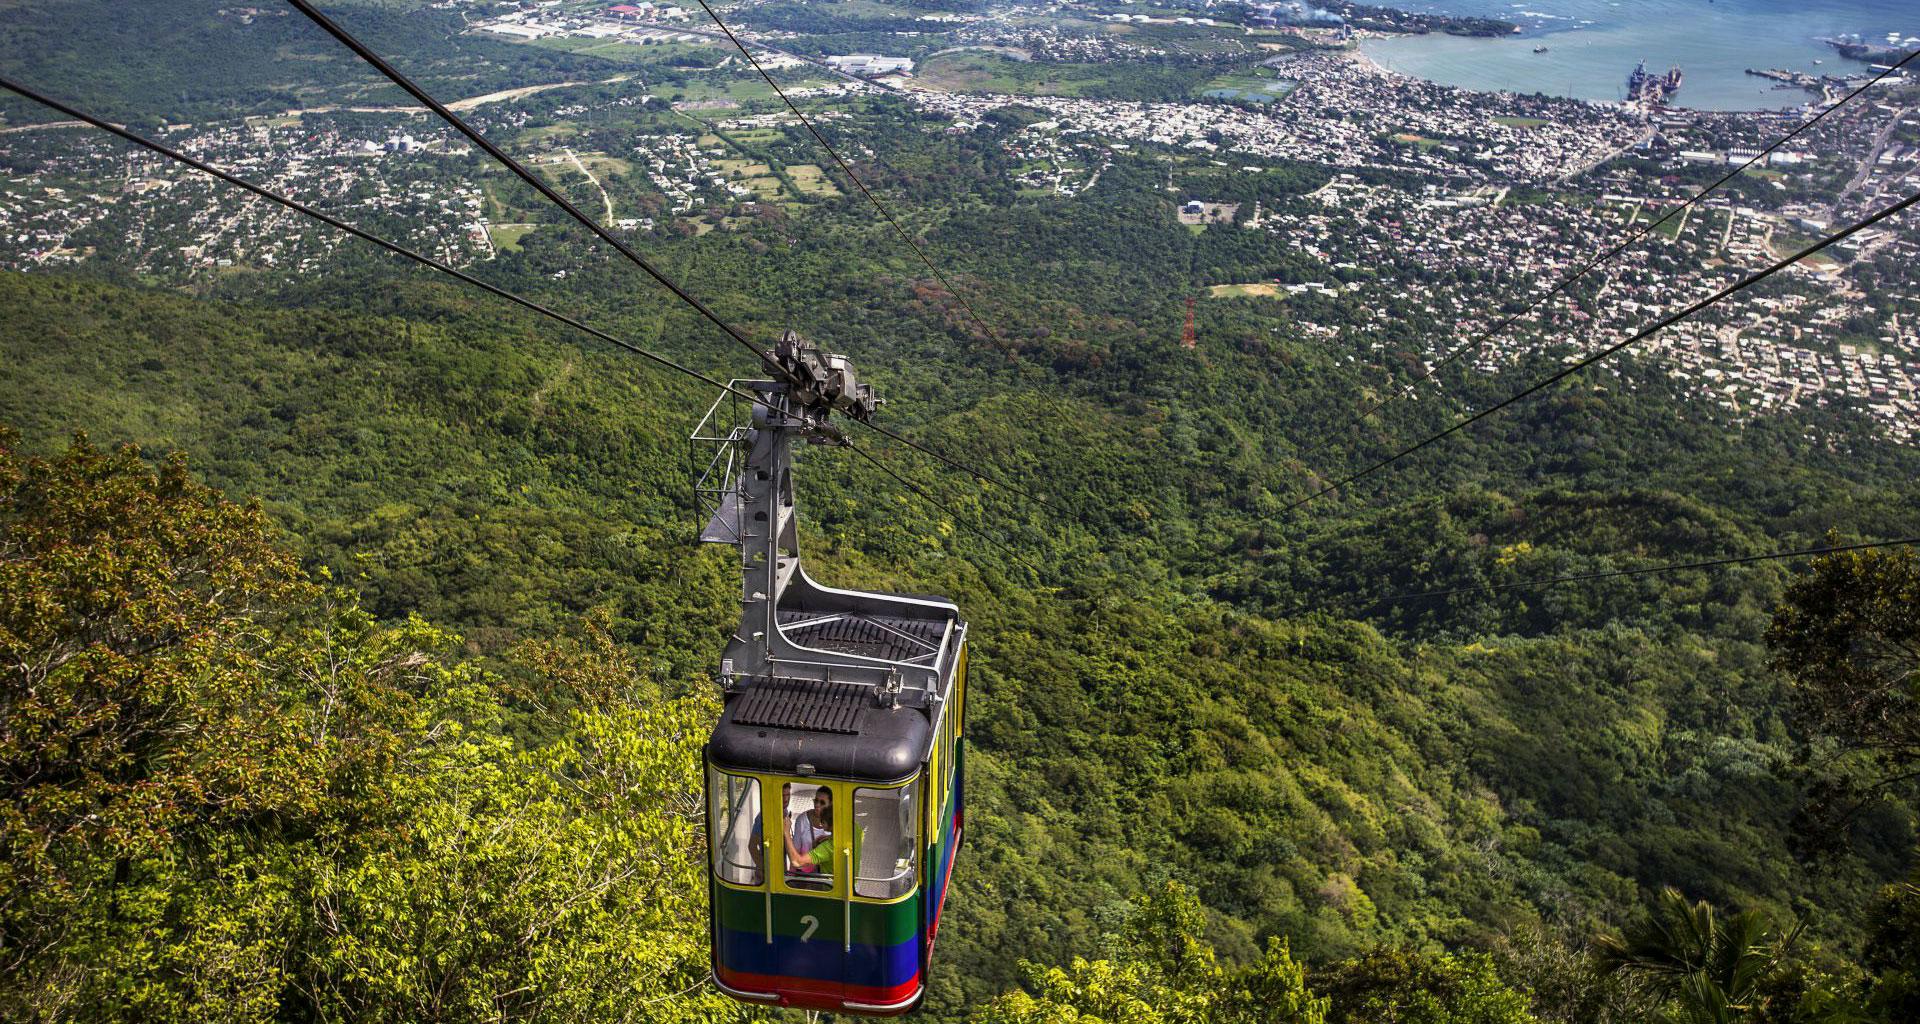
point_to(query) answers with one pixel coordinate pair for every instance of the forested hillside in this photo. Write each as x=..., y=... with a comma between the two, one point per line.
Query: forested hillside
x=1308, y=776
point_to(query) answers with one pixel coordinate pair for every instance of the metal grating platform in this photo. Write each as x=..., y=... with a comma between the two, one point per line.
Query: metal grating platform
x=871, y=636
x=809, y=704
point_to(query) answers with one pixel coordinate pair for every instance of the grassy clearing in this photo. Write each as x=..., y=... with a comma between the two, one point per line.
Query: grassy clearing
x=623, y=52
x=628, y=53
x=1417, y=140
x=722, y=86
x=744, y=168
x=768, y=187
x=975, y=71
x=506, y=237
x=1241, y=291
x=1257, y=85
x=966, y=71
x=812, y=180
x=875, y=9
x=500, y=210
x=602, y=165
x=560, y=130
x=1521, y=122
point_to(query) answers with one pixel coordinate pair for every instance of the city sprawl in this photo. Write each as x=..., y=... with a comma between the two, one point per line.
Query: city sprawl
x=1431, y=191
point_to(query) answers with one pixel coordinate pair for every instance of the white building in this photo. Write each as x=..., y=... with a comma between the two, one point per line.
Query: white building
x=868, y=65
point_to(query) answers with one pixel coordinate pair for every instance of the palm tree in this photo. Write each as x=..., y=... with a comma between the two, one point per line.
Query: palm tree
x=1711, y=970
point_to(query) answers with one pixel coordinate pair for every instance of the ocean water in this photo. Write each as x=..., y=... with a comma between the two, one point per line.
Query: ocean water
x=1592, y=45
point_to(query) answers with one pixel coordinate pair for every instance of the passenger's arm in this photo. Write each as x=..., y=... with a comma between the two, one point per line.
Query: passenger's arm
x=794, y=857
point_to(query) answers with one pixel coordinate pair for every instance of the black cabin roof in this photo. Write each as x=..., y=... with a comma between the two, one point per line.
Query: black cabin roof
x=776, y=725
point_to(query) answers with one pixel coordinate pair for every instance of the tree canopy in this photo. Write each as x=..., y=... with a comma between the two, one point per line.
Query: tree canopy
x=231, y=794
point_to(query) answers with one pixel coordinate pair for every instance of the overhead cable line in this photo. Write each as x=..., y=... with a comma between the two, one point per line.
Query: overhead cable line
x=884, y=212
x=539, y=184
x=957, y=466
x=399, y=250
x=334, y=222
x=394, y=75
x=1407, y=389
x=1667, y=321
x=1610, y=574
x=848, y=171
x=973, y=528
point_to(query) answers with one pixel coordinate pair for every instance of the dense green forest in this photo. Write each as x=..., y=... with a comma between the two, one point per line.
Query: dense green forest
x=270, y=59
x=1452, y=778
x=382, y=699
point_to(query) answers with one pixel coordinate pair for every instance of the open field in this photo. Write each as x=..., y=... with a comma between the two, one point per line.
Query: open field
x=501, y=210
x=602, y=165
x=1241, y=291
x=744, y=168
x=969, y=71
x=1257, y=85
x=812, y=180
x=506, y=237
x=1521, y=122
x=722, y=85
x=561, y=130
x=979, y=71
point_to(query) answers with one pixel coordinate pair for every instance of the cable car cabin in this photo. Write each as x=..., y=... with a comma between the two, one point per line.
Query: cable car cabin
x=834, y=821
x=834, y=776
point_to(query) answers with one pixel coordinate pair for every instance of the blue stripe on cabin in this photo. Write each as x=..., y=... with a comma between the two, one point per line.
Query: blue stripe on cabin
x=820, y=960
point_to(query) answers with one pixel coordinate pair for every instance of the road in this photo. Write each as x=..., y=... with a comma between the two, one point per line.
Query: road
x=1621, y=151
x=43, y=124
x=472, y=102
x=1866, y=164
x=469, y=103
x=605, y=200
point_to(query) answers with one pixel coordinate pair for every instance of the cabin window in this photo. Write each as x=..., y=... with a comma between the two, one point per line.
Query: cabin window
x=816, y=823
x=946, y=761
x=733, y=826
x=888, y=822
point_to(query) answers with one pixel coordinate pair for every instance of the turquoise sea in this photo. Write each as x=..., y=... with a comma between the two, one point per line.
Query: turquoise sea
x=1593, y=44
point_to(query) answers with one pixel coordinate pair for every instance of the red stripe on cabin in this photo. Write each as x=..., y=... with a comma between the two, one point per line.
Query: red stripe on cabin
x=814, y=993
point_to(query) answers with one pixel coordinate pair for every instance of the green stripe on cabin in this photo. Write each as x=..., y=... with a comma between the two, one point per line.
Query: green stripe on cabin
x=876, y=924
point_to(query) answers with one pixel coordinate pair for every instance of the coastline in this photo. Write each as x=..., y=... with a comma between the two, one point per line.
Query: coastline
x=1595, y=45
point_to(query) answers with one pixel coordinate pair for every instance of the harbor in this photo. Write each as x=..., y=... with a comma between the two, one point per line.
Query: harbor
x=1654, y=90
x=1593, y=45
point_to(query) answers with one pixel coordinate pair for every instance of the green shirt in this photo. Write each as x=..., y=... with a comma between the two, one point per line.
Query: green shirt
x=822, y=854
